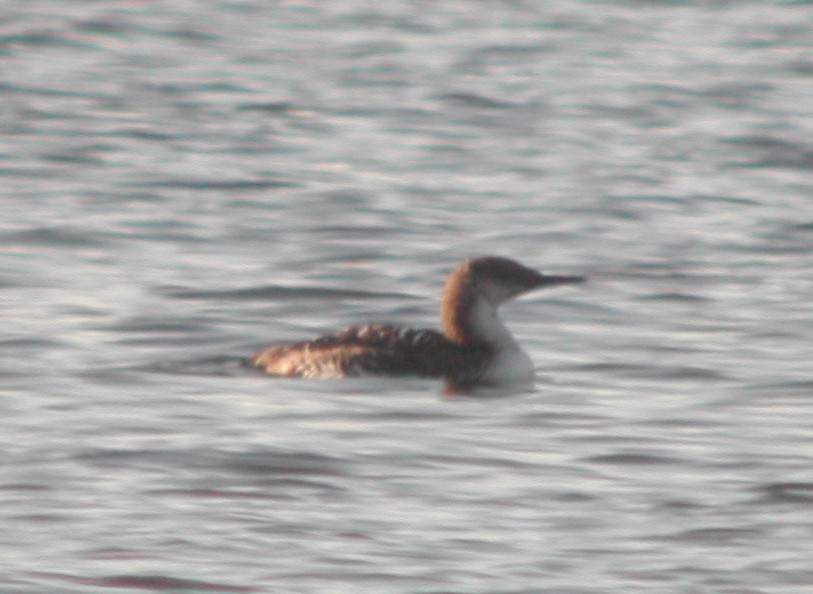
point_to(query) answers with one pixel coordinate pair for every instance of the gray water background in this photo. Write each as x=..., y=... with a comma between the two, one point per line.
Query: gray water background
x=184, y=182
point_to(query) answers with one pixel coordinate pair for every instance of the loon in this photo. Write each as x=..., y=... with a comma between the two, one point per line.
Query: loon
x=475, y=347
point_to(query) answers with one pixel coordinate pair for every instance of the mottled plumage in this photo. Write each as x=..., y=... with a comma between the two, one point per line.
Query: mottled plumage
x=375, y=349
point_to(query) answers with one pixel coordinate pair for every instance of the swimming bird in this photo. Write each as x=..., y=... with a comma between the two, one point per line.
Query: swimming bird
x=475, y=347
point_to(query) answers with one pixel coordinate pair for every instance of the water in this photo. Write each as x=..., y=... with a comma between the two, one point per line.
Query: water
x=184, y=182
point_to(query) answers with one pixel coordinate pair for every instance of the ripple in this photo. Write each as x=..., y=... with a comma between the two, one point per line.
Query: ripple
x=273, y=107
x=150, y=324
x=45, y=39
x=768, y=151
x=790, y=390
x=716, y=536
x=260, y=463
x=655, y=371
x=153, y=583
x=266, y=292
x=634, y=459
x=289, y=487
x=54, y=92
x=771, y=493
x=30, y=344
x=220, y=366
x=53, y=236
x=474, y=100
x=674, y=298
x=216, y=184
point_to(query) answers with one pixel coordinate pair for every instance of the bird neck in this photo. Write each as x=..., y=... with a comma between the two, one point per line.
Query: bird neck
x=469, y=317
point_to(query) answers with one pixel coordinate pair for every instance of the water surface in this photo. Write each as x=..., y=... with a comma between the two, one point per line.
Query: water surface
x=182, y=183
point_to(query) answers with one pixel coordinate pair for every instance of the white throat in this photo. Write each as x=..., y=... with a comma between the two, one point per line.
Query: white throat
x=487, y=325
x=510, y=363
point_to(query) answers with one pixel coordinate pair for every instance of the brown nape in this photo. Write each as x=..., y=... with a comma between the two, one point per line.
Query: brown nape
x=456, y=304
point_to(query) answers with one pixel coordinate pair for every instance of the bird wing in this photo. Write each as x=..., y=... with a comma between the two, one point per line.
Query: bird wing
x=361, y=350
